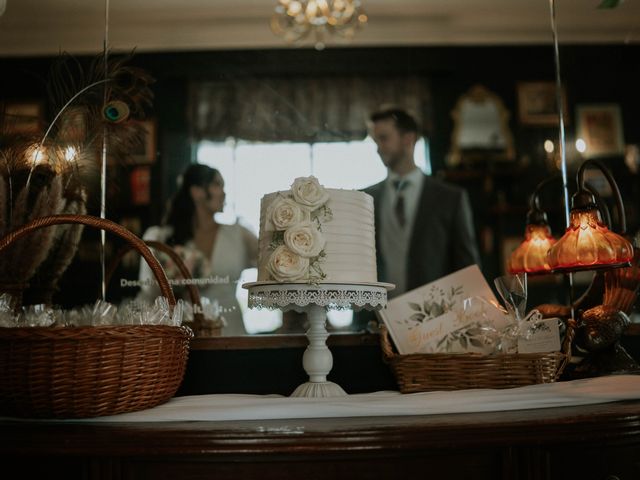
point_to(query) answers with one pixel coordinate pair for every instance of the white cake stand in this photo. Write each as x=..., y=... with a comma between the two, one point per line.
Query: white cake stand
x=315, y=300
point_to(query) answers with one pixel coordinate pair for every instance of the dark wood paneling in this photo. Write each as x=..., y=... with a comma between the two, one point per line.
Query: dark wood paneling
x=586, y=442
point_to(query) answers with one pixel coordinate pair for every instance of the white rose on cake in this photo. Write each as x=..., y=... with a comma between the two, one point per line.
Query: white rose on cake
x=304, y=240
x=308, y=192
x=286, y=266
x=285, y=213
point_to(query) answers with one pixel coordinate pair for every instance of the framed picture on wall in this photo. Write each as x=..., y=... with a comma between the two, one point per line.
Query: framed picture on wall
x=146, y=151
x=600, y=126
x=537, y=104
x=23, y=117
x=140, y=185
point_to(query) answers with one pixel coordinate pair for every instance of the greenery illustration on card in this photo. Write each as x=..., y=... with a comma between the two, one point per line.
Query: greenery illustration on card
x=428, y=319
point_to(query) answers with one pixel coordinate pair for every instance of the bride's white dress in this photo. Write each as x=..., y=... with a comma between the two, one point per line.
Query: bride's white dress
x=234, y=250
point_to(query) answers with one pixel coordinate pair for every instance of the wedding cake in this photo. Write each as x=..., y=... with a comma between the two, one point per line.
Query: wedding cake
x=312, y=234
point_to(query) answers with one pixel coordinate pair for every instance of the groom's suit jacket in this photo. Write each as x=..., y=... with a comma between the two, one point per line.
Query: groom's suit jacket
x=443, y=238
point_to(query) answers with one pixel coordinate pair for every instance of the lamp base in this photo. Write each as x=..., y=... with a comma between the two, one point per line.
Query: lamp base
x=610, y=361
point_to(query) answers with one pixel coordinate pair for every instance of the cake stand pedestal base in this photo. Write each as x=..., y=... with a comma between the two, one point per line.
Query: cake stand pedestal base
x=319, y=389
x=317, y=360
x=315, y=300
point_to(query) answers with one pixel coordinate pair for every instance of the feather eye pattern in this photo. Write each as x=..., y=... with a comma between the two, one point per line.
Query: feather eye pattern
x=124, y=82
x=130, y=85
x=112, y=99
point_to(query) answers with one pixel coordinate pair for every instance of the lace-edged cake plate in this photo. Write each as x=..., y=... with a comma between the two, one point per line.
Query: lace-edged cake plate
x=335, y=296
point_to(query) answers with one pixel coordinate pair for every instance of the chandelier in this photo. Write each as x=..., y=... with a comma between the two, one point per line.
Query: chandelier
x=298, y=19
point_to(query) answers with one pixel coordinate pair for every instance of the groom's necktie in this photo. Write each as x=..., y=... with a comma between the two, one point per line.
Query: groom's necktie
x=399, y=208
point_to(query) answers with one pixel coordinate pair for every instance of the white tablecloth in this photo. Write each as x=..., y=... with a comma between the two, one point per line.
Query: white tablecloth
x=263, y=407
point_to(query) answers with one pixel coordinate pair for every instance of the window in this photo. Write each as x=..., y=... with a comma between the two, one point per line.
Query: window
x=253, y=169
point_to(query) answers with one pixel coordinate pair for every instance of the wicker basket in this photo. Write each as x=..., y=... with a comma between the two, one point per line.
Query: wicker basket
x=79, y=372
x=199, y=325
x=422, y=372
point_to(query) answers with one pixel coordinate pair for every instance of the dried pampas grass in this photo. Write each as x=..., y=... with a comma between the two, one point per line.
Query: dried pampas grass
x=21, y=203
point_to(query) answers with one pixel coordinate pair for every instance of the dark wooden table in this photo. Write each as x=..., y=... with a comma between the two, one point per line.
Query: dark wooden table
x=598, y=442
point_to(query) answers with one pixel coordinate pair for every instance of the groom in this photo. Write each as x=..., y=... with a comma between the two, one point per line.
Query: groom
x=424, y=227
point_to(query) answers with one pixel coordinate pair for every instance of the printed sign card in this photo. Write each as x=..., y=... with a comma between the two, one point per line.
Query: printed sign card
x=544, y=337
x=432, y=318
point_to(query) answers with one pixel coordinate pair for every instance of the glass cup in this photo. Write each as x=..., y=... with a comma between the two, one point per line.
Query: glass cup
x=513, y=291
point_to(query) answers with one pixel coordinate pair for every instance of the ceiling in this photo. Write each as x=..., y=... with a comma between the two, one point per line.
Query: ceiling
x=45, y=27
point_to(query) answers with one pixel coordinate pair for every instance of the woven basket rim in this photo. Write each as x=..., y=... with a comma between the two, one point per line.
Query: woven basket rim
x=390, y=354
x=93, y=328
x=93, y=333
x=419, y=372
x=475, y=355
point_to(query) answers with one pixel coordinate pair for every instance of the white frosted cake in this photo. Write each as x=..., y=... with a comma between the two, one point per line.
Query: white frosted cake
x=312, y=234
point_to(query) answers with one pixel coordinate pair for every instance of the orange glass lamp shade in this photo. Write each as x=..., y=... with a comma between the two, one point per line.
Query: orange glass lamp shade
x=588, y=243
x=531, y=254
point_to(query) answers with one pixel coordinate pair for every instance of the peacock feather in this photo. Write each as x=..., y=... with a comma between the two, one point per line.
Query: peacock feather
x=96, y=108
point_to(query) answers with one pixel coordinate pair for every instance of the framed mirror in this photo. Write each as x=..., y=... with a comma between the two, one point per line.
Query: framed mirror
x=480, y=128
x=427, y=68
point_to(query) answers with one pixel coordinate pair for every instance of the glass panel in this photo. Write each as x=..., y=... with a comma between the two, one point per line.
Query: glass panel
x=253, y=169
x=259, y=170
x=221, y=156
x=347, y=164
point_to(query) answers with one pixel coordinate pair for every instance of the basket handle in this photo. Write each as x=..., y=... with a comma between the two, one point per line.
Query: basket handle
x=194, y=293
x=102, y=224
x=385, y=344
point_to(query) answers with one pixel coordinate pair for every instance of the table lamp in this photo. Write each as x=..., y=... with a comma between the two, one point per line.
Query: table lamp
x=601, y=313
x=587, y=243
x=531, y=255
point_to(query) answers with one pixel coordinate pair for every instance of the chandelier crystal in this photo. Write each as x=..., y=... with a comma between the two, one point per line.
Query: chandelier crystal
x=297, y=20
